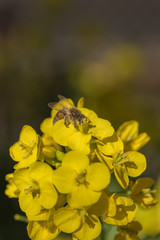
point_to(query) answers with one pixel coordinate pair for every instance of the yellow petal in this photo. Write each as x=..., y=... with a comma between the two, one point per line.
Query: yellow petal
x=67, y=220
x=60, y=132
x=28, y=204
x=90, y=230
x=16, y=153
x=46, y=126
x=112, y=206
x=89, y=113
x=79, y=141
x=40, y=171
x=80, y=103
x=81, y=196
x=128, y=130
x=26, y=161
x=139, y=141
x=48, y=195
x=42, y=216
x=28, y=135
x=22, y=179
x=64, y=179
x=75, y=160
x=124, y=201
x=102, y=129
x=40, y=231
x=111, y=148
x=98, y=176
x=136, y=164
x=121, y=175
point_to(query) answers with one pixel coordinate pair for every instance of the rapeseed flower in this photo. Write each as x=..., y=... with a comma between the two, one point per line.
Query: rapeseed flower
x=129, y=133
x=62, y=178
x=121, y=210
x=83, y=225
x=124, y=164
x=27, y=150
x=11, y=189
x=83, y=181
x=36, y=188
x=141, y=192
x=43, y=227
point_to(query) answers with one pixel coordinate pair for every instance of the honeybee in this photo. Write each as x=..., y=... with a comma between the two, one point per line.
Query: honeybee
x=68, y=112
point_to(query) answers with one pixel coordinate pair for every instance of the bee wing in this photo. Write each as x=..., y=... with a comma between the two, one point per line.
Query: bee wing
x=65, y=100
x=56, y=105
x=51, y=104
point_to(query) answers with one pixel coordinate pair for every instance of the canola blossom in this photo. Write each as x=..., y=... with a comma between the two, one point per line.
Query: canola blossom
x=62, y=178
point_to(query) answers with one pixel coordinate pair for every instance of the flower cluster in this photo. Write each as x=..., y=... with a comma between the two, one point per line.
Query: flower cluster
x=61, y=178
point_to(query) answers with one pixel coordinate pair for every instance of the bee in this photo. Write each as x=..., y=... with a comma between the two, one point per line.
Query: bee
x=67, y=111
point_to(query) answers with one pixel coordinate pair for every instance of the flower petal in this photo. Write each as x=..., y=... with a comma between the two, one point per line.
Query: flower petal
x=67, y=220
x=81, y=196
x=40, y=230
x=128, y=130
x=75, y=160
x=98, y=176
x=90, y=230
x=60, y=132
x=46, y=126
x=137, y=163
x=80, y=142
x=64, y=179
x=111, y=148
x=28, y=204
x=48, y=195
x=28, y=136
x=89, y=113
x=102, y=129
x=121, y=175
x=40, y=171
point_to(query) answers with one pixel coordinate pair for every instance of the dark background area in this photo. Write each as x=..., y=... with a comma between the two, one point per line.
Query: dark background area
x=106, y=51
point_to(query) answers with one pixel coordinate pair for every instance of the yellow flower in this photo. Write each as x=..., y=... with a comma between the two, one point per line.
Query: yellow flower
x=129, y=133
x=84, y=225
x=76, y=137
x=27, y=150
x=121, y=211
x=43, y=228
x=126, y=164
x=129, y=231
x=36, y=188
x=79, y=138
x=141, y=192
x=83, y=182
x=11, y=189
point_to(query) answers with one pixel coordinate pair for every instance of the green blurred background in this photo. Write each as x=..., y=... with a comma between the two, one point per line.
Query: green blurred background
x=105, y=51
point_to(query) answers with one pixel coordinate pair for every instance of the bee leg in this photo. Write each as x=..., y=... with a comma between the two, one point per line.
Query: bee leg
x=66, y=122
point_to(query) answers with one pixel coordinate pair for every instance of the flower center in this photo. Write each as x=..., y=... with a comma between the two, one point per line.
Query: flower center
x=80, y=179
x=27, y=148
x=33, y=189
x=119, y=158
x=83, y=213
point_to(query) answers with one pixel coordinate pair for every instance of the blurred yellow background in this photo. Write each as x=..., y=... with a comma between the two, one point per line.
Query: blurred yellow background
x=106, y=51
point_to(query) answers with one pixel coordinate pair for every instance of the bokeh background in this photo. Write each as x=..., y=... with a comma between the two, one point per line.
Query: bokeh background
x=105, y=51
